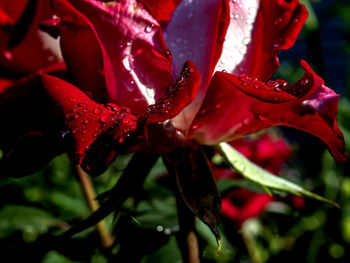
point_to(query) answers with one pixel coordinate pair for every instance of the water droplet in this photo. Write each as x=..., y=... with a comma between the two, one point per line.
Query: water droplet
x=236, y=16
x=246, y=41
x=192, y=69
x=84, y=132
x=277, y=89
x=129, y=43
x=278, y=21
x=218, y=106
x=241, y=167
x=224, y=71
x=86, y=121
x=76, y=116
x=85, y=110
x=262, y=118
x=304, y=81
x=112, y=107
x=107, y=118
x=148, y=29
x=75, y=131
x=256, y=86
x=160, y=228
x=194, y=127
x=244, y=79
x=168, y=53
x=247, y=121
x=97, y=111
x=295, y=20
x=8, y=55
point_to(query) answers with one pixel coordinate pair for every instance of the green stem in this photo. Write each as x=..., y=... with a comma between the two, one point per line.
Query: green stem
x=90, y=196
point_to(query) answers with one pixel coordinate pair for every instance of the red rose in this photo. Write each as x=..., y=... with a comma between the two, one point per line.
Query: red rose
x=130, y=53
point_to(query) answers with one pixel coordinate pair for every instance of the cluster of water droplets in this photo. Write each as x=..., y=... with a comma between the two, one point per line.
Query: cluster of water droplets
x=239, y=34
x=92, y=121
x=277, y=85
x=164, y=105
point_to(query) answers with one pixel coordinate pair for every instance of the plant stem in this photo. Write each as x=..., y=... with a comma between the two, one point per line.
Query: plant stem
x=187, y=238
x=90, y=194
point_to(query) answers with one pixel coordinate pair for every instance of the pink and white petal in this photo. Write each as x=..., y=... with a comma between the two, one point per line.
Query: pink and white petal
x=230, y=112
x=258, y=30
x=136, y=62
x=196, y=32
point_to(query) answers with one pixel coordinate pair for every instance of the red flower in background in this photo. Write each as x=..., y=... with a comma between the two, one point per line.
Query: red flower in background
x=122, y=76
x=270, y=153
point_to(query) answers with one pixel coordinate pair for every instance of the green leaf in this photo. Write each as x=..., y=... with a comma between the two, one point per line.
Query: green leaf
x=29, y=220
x=258, y=175
x=196, y=185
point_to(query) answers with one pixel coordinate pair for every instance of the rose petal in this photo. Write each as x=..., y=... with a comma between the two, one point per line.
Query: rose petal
x=136, y=63
x=229, y=111
x=23, y=48
x=196, y=32
x=161, y=9
x=83, y=119
x=177, y=96
x=257, y=31
x=26, y=137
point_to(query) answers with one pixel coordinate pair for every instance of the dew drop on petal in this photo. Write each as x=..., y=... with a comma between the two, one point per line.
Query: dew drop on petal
x=246, y=41
x=97, y=111
x=8, y=55
x=246, y=121
x=149, y=28
x=76, y=116
x=107, y=118
x=278, y=21
x=304, y=81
